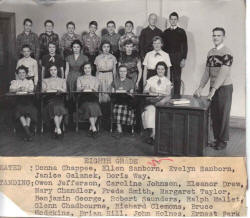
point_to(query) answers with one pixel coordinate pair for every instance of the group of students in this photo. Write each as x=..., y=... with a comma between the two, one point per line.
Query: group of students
x=90, y=62
x=123, y=110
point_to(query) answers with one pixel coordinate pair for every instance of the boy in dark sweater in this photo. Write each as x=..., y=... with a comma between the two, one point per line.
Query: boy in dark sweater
x=175, y=44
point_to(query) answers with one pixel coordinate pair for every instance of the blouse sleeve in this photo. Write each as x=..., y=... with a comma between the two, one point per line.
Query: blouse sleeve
x=14, y=85
x=145, y=62
x=44, y=85
x=168, y=62
x=64, y=86
x=149, y=84
x=30, y=86
x=96, y=60
x=35, y=72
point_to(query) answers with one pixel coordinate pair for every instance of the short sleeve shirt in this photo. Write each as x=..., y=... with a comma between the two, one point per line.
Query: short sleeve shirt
x=105, y=62
x=159, y=83
x=153, y=57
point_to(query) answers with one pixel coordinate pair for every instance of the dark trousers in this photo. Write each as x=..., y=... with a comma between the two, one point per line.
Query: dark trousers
x=175, y=77
x=175, y=71
x=220, y=112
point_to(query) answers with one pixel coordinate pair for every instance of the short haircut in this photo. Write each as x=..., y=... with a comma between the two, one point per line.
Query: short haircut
x=78, y=42
x=48, y=21
x=128, y=42
x=51, y=43
x=157, y=38
x=93, y=22
x=26, y=46
x=162, y=63
x=105, y=42
x=220, y=29
x=122, y=66
x=174, y=14
x=111, y=22
x=71, y=23
x=22, y=67
x=84, y=64
x=27, y=20
x=129, y=21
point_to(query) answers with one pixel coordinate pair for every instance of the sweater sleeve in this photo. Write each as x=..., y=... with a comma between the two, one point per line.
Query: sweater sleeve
x=184, y=45
x=227, y=61
x=205, y=76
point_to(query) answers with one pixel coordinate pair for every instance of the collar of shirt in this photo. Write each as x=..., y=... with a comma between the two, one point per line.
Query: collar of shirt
x=52, y=33
x=151, y=28
x=71, y=37
x=219, y=46
x=30, y=33
x=174, y=27
x=158, y=52
x=94, y=36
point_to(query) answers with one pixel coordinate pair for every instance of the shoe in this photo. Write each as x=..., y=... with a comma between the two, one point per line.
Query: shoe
x=150, y=141
x=90, y=133
x=94, y=134
x=221, y=145
x=212, y=144
x=30, y=139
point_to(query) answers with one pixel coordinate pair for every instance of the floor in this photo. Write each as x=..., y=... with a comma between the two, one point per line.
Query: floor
x=79, y=144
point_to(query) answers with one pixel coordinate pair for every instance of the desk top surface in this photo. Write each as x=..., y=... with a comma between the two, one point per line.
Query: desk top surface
x=201, y=103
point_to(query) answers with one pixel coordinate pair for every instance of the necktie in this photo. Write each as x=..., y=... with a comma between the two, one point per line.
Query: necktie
x=52, y=59
x=157, y=54
x=159, y=82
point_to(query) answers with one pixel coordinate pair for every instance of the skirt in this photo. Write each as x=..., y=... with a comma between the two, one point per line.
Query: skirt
x=105, y=85
x=148, y=117
x=55, y=107
x=26, y=110
x=123, y=114
x=89, y=109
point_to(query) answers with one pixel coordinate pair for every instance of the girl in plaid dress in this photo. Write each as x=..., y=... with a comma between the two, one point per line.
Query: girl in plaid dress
x=123, y=112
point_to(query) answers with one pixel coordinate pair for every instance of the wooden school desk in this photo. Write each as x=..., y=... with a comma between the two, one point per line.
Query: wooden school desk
x=182, y=130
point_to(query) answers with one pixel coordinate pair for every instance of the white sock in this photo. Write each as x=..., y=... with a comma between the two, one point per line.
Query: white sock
x=59, y=131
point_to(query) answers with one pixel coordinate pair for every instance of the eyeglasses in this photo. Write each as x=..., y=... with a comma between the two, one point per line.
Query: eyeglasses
x=216, y=35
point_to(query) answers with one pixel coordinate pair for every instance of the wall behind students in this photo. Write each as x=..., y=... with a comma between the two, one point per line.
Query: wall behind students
x=197, y=17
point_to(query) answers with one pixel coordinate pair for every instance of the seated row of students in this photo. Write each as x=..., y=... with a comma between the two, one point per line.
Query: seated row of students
x=123, y=111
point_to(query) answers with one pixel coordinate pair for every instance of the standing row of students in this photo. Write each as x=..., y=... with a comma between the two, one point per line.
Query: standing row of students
x=174, y=42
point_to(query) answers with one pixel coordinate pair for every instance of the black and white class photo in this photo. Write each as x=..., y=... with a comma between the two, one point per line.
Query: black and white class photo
x=122, y=78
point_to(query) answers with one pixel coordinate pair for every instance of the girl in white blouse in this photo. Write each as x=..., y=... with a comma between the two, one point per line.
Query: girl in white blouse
x=30, y=63
x=155, y=85
x=25, y=110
